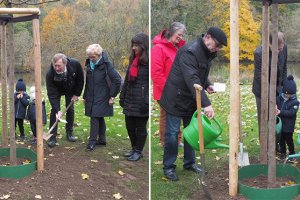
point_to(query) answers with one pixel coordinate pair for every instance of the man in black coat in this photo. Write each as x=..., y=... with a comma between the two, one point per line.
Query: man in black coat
x=281, y=72
x=191, y=66
x=64, y=78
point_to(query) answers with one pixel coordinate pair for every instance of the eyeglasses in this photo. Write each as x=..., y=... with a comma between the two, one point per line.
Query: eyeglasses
x=218, y=44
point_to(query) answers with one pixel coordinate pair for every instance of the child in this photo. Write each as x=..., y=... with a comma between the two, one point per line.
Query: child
x=21, y=102
x=287, y=104
x=31, y=115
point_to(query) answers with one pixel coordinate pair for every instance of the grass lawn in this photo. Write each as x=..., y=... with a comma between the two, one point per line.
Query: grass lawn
x=215, y=159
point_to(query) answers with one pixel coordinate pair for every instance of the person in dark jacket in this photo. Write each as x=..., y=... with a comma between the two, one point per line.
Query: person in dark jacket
x=21, y=102
x=163, y=54
x=287, y=105
x=64, y=78
x=191, y=66
x=101, y=87
x=281, y=73
x=31, y=115
x=134, y=97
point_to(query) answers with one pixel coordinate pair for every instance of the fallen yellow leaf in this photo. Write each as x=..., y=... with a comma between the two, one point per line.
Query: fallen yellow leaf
x=26, y=162
x=38, y=197
x=95, y=161
x=85, y=176
x=164, y=178
x=51, y=154
x=5, y=196
x=18, y=142
x=115, y=157
x=156, y=133
x=290, y=183
x=121, y=173
x=118, y=196
x=218, y=158
x=159, y=162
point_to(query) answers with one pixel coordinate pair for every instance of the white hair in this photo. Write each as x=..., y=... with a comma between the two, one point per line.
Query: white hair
x=95, y=49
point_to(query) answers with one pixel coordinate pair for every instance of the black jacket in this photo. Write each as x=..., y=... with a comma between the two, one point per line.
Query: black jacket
x=288, y=112
x=281, y=70
x=20, y=105
x=191, y=65
x=134, y=96
x=97, y=92
x=72, y=84
x=31, y=115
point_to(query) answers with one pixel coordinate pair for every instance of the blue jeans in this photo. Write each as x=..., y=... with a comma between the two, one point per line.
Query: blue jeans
x=171, y=143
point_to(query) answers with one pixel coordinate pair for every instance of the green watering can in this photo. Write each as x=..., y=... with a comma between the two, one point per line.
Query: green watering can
x=278, y=127
x=212, y=129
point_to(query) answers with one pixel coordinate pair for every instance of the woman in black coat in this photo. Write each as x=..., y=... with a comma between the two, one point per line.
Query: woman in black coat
x=102, y=86
x=134, y=97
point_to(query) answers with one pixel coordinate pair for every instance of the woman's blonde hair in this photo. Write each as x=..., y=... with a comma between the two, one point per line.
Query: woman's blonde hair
x=95, y=49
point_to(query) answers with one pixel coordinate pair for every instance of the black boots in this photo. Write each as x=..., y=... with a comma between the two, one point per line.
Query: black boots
x=52, y=142
x=70, y=137
x=129, y=153
x=135, y=156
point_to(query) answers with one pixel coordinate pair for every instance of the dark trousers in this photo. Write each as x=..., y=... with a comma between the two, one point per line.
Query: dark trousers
x=33, y=127
x=98, y=128
x=55, y=102
x=258, y=106
x=137, y=131
x=287, y=138
x=171, y=143
x=21, y=126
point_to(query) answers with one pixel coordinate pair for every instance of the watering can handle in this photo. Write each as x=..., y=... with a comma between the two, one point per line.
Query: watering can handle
x=198, y=89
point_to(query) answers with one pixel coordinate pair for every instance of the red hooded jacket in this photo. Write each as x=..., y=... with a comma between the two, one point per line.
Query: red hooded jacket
x=162, y=56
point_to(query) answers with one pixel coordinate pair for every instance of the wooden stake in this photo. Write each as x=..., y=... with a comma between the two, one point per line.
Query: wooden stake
x=4, y=86
x=272, y=111
x=13, y=155
x=264, y=86
x=234, y=97
x=38, y=93
x=19, y=11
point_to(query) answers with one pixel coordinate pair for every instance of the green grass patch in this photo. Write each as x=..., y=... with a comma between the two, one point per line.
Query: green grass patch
x=188, y=183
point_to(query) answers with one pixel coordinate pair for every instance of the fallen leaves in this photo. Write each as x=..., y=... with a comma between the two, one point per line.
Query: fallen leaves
x=6, y=196
x=117, y=196
x=217, y=158
x=38, y=196
x=158, y=162
x=85, y=176
x=94, y=161
x=26, y=162
x=121, y=173
x=115, y=157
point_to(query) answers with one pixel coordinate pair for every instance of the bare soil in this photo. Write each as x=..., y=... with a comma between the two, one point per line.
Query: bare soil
x=62, y=177
x=217, y=183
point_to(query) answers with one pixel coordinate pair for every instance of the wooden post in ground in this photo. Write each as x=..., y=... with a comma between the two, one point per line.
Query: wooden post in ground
x=38, y=92
x=234, y=97
x=4, y=86
x=264, y=86
x=272, y=111
x=13, y=155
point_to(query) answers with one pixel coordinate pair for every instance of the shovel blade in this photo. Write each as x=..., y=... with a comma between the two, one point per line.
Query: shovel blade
x=243, y=159
x=47, y=136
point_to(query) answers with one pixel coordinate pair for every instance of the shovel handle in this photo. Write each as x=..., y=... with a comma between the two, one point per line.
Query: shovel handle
x=56, y=122
x=198, y=89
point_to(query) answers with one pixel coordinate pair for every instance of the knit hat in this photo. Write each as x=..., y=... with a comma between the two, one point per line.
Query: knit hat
x=289, y=85
x=20, y=86
x=218, y=34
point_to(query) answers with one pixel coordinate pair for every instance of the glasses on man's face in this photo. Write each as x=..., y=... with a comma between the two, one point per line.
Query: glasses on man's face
x=218, y=44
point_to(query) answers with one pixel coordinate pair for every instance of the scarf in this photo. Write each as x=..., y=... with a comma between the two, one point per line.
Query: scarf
x=134, y=69
x=92, y=65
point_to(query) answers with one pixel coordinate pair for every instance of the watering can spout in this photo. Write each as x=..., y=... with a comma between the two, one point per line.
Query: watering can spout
x=216, y=145
x=294, y=155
